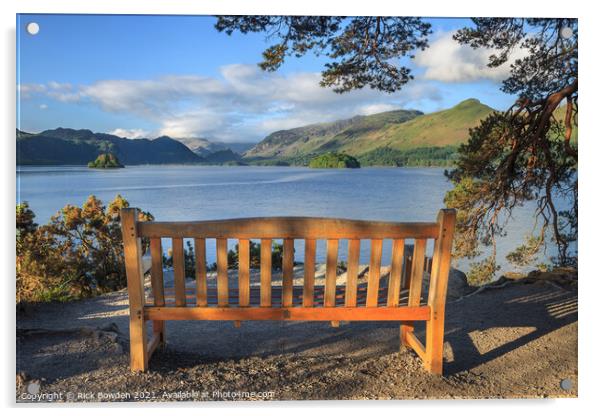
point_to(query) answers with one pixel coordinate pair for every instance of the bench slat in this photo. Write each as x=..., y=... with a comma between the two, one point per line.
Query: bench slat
x=297, y=296
x=309, y=273
x=289, y=227
x=353, y=260
x=243, y=272
x=222, y=271
x=157, y=271
x=287, y=272
x=417, y=272
x=395, y=274
x=178, y=270
x=332, y=251
x=266, y=272
x=376, y=251
x=420, y=313
x=407, y=271
x=200, y=271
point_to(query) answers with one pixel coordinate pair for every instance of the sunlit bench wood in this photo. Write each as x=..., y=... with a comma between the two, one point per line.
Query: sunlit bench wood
x=398, y=299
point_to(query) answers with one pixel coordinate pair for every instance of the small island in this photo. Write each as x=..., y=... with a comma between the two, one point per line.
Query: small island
x=334, y=160
x=105, y=161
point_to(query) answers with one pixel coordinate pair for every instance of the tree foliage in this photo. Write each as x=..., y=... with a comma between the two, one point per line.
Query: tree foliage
x=363, y=51
x=526, y=153
x=334, y=160
x=421, y=156
x=255, y=256
x=105, y=161
x=78, y=253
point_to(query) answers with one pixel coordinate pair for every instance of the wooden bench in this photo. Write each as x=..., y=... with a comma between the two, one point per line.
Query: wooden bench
x=398, y=298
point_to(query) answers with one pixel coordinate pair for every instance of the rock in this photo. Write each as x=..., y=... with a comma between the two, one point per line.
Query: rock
x=457, y=285
x=116, y=348
x=565, y=277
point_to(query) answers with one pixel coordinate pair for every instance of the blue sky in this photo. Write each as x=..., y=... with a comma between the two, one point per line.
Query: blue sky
x=145, y=76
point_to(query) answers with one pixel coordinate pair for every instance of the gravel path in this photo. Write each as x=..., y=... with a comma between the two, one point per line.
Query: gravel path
x=520, y=341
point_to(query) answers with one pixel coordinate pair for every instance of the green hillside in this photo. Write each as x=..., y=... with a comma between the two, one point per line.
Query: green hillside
x=559, y=115
x=442, y=128
x=389, y=139
x=392, y=138
x=323, y=137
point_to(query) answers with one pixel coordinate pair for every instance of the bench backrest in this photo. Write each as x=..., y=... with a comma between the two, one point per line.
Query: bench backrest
x=289, y=229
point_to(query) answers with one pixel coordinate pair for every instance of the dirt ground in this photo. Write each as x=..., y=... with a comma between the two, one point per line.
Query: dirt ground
x=516, y=342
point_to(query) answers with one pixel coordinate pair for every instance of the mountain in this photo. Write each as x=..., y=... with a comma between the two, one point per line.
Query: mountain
x=325, y=136
x=64, y=146
x=204, y=147
x=222, y=156
x=200, y=146
x=371, y=137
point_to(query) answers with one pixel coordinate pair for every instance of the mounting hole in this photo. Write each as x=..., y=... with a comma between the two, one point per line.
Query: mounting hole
x=566, y=384
x=32, y=28
x=566, y=32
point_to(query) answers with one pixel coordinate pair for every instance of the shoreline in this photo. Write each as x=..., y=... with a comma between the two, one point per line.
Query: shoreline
x=244, y=166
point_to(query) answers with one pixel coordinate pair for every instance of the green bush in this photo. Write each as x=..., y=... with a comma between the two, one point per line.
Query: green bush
x=254, y=261
x=189, y=260
x=255, y=256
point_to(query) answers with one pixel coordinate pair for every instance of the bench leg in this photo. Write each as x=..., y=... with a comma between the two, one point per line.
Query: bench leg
x=159, y=328
x=434, y=345
x=138, y=343
x=404, y=329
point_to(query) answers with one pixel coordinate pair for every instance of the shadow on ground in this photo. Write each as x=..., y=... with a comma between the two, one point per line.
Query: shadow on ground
x=519, y=341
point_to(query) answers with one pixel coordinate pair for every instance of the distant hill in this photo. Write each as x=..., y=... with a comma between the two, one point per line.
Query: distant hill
x=322, y=137
x=379, y=139
x=392, y=138
x=204, y=147
x=64, y=146
x=222, y=156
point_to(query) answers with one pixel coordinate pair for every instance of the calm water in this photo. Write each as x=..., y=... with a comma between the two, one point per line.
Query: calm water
x=210, y=192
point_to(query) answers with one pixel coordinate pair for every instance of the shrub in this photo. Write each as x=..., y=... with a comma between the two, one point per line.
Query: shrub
x=255, y=256
x=79, y=253
x=254, y=261
x=189, y=260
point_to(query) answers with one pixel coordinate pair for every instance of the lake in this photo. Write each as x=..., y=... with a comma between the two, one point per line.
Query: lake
x=174, y=192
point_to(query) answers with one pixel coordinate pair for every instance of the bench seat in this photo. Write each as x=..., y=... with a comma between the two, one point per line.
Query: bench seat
x=277, y=296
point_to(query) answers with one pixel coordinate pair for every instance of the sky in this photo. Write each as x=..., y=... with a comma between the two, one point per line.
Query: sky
x=148, y=76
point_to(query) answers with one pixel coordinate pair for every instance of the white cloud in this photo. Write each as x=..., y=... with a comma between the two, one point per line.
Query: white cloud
x=243, y=104
x=64, y=92
x=27, y=90
x=368, y=109
x=59, y=86
x=43, y=106
x=129, y=133
x=448, y=61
